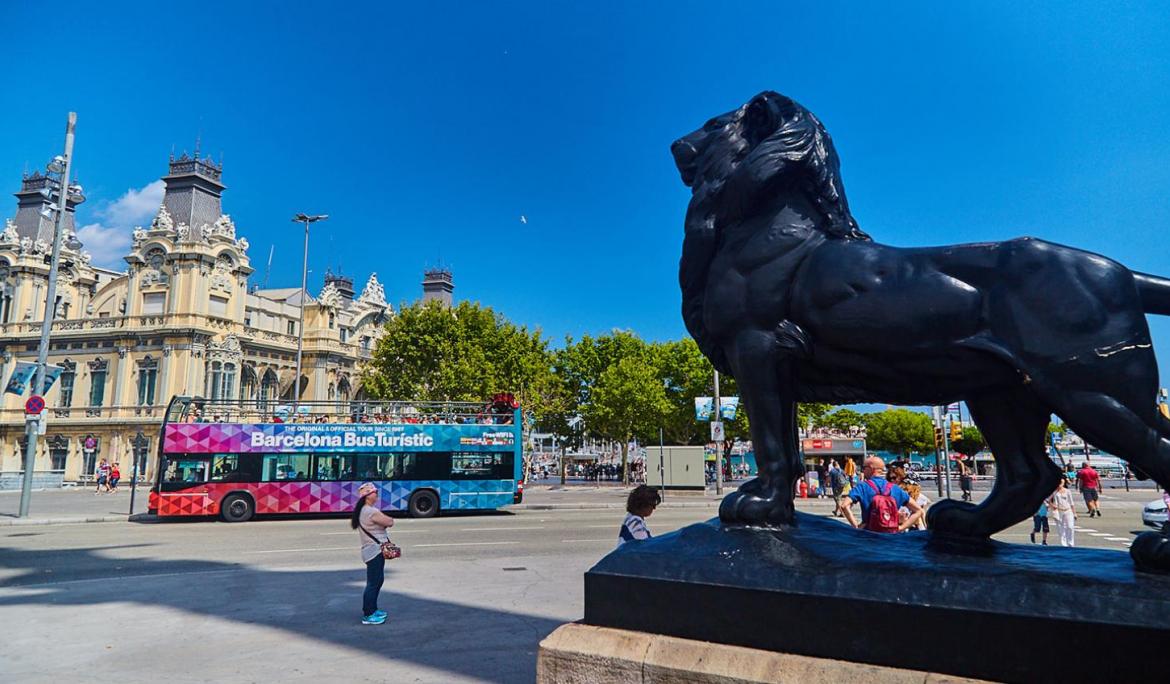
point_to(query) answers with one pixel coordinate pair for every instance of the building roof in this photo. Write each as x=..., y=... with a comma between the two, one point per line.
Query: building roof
x=288, y=295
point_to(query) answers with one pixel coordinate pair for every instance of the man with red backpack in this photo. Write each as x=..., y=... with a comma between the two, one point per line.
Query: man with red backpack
x=880, y=501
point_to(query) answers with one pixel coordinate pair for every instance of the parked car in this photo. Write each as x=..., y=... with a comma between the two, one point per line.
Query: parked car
x=1155, y=513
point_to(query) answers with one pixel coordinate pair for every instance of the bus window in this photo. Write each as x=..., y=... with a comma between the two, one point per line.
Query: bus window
x=373, y=466
x=332, y=467
x=481, y=466
x=185, y=470
x=471, y=466
x=422, y=466
x=235, y=468
x=286, y=467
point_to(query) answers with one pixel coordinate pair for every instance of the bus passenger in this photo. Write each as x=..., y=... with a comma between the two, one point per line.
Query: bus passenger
x=373, y=524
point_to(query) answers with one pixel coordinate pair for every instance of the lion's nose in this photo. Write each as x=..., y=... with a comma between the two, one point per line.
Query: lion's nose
x=684, y=153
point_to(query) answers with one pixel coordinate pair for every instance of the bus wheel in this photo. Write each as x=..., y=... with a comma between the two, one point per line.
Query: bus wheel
x=237, y=508
x=423, y=504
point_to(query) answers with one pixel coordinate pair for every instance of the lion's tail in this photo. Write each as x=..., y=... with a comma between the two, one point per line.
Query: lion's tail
x=1155, y=293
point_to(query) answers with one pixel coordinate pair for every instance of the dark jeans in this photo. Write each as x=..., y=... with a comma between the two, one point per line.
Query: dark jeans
x=375, y=575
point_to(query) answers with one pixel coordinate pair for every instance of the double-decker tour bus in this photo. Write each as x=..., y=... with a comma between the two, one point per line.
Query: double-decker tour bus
x=235, y=459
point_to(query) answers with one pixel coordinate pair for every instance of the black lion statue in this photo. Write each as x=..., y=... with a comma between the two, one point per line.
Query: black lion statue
x=784, y=291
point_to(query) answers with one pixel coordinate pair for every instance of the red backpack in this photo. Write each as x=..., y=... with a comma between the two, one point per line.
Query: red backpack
x=883, y=510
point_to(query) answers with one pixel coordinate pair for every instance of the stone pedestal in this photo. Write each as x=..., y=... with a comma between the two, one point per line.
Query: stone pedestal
x=583, y=654
x=820, y=589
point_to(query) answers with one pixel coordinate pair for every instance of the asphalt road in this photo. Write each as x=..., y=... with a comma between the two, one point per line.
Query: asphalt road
x=280, y=599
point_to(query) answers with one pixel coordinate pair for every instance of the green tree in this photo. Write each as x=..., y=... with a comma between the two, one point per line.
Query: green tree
x=843, y=420
x=807, y=414
x=467, y=352
x=685, y=374
x=900, y=431
x=970, y=443
x=627, y=401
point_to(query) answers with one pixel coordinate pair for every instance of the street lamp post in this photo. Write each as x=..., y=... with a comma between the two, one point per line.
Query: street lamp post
x=305, y=219
x=718, y=443
x=62, y=166
x=140, y=444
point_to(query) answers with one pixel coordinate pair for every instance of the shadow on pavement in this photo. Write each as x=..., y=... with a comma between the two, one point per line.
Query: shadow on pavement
x=482, y=643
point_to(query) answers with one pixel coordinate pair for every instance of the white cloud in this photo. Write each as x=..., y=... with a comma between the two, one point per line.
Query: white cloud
x=107, y=244
x=108, y=239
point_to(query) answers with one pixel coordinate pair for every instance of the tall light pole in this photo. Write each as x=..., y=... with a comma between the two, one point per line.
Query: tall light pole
x=305, y=219
x=718, y=442
x=59, y=165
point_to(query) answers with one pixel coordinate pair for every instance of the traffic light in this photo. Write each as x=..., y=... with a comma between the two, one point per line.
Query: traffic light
x=938, y=438
x=956, y=431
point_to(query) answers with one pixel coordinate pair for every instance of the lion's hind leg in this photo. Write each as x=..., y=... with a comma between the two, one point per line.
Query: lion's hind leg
x=1139, y=436
x=1014, y=423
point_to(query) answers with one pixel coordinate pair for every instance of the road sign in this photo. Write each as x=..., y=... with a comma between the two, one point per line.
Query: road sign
x=716, y=431
x=34, y=405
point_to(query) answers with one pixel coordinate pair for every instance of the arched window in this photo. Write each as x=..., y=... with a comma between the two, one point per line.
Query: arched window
x=97, y=381
x=68, y=376
x=248, y=383
x=268, y=388
x=147, y=379
x=5, y=292
x=221, y=380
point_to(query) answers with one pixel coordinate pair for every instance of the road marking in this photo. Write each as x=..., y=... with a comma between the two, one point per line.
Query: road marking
x=324, y=548
x=1084, y=529
x=1099, y=534
x=570, y=541
x=494, y=543
x=497, y=529
x=1120, y=539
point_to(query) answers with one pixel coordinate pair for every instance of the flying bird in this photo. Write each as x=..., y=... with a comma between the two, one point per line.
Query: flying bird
x=523, y=219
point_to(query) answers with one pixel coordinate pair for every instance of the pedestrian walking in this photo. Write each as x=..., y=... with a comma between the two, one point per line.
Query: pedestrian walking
x=1060, y=505
x=838, y=482
x=1040, y=524
x=823, y=478
x=103, y=477
x=1089, y=483
x=640, y=504
x=115, y=476
x=880, y=501
x=371, y=524
x=965, y=479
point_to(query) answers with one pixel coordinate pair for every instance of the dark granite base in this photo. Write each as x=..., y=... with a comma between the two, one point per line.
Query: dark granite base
x=1004, y=612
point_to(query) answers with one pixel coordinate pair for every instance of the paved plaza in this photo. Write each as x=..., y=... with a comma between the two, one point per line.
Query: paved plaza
x=208, y=601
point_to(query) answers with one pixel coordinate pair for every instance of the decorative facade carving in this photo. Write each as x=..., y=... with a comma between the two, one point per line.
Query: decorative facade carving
x=373, y=292
x=330, y=296
x=221, y=274
x=9, y=236
x=163, y=220
x=223, y=227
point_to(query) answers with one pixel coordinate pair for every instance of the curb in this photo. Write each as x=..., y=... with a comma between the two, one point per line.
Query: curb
x=20, y=522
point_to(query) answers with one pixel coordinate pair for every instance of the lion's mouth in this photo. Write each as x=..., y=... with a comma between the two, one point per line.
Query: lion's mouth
x=685, y=155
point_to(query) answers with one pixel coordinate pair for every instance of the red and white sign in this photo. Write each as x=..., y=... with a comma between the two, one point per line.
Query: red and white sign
x=34, y=405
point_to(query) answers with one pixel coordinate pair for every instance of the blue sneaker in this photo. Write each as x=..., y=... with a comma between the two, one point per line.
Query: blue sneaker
x=373, y=619
x=382, y=614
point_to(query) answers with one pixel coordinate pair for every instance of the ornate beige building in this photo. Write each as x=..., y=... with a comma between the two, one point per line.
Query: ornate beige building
x=180, y=320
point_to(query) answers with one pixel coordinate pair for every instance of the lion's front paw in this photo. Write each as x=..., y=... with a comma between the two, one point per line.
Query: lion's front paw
x=955, y=519
x=1151, y=552
x=757, y=503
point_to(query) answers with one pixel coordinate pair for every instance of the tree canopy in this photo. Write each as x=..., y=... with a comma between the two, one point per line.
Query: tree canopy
x=900, y=431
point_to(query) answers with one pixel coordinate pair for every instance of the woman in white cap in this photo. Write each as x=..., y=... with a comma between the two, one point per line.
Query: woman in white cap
x=371, y=525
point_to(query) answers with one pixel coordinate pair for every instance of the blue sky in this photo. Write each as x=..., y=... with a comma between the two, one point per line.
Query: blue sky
x=426, y=130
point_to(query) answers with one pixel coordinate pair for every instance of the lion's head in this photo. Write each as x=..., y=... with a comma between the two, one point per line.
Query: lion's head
x=768, y=146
